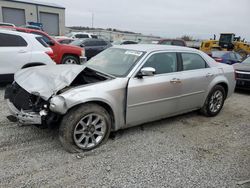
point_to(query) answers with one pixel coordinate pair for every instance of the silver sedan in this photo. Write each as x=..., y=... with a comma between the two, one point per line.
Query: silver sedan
x=121, y=87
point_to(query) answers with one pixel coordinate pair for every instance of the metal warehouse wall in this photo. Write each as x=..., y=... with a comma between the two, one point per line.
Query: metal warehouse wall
x=32, y=12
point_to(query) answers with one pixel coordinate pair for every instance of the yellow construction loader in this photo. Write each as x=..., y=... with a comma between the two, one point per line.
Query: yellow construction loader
x=227, y=42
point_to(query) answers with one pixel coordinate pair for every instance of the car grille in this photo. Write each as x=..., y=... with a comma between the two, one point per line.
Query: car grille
x=241, y=75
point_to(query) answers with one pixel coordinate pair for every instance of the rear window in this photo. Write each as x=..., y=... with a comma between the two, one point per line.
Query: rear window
x=42, y=42
x=9, y=40
x=178, y=43
x=218, y=54
x=81, y=36
x=94, y=36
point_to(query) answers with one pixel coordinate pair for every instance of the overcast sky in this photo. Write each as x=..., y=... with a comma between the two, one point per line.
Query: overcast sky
x=166, y=18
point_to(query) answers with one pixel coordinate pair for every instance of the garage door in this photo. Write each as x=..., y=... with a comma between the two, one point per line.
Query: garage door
x=14, y=16
x=50, y=23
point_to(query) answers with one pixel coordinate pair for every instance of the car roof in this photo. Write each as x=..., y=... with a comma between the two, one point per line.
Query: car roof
x=155, y=47
x=9, y=31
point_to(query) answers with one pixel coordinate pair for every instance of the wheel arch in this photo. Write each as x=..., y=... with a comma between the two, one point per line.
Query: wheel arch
x=225, y=86
x=105, y=105
x=32, y=65
x=69, y=54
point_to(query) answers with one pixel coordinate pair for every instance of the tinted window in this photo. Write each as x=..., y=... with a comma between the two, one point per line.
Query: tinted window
x=66, y=41
x=42, y=42
x=178, y=43
x=232, y=56
x=90, y=43
x=101, y=43
x=218, y=54
x=162, y=62
x=238, y=56
x=193, y=61
x=94, y=36
x=81, y=36
x=129, y=42
x=166, y=42
x=8, y=40
x=45, y=38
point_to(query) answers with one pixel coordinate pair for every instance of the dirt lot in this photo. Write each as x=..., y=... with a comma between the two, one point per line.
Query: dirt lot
x=185, y=151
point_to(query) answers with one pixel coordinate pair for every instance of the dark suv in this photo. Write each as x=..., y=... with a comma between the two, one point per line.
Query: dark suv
x=92, y=46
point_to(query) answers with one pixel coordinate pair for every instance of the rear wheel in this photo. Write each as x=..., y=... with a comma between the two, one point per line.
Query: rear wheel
x=214, y=101
x=85, y=128
x=69, y=59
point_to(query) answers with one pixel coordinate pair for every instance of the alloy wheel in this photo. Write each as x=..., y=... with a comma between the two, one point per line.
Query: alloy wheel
x=216, y=101
x=90, y=131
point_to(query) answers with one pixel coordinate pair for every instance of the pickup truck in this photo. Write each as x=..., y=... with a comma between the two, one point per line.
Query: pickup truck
x=63, y=54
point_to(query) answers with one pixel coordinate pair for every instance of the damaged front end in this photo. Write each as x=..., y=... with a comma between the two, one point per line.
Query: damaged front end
x=26, y=108
x=34, y=98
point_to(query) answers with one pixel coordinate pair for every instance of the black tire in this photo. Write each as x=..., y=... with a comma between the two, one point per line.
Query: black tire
x=206, y=109
x=70, y=59
x=71, y=120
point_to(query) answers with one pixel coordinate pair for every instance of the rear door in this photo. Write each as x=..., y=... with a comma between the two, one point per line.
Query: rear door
x=154, y=97
x=14, y=52
x=195, y=77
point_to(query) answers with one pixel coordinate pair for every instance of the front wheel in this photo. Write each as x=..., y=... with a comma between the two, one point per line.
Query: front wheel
x=214, y=101
x=69, y=59
x=85, y=128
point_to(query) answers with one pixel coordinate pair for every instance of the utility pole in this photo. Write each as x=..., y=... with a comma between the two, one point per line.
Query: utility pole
x=92, y=20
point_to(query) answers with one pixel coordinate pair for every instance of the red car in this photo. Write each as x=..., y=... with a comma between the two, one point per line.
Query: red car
x=63, y=54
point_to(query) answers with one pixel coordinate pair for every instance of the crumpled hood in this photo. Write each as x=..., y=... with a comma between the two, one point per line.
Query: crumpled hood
x=47, y=80
x=242, y=67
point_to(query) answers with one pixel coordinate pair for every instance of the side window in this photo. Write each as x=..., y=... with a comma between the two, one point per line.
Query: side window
x=94, y=37
x=8, y=40
x=45, y=38
x=42, y=42
x=162, y=62
x=193, y=61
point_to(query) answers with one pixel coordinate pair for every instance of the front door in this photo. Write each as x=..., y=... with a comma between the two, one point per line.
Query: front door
x=153, y=97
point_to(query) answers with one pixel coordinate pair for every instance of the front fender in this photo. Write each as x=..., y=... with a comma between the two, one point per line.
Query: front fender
x=113, y=97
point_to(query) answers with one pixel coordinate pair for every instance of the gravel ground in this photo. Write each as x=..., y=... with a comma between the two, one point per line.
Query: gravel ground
x=184, y=151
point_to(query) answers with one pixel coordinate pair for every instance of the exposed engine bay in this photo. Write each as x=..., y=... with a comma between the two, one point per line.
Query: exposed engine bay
x=35, y=104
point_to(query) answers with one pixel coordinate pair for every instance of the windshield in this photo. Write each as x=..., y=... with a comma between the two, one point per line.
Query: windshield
x=69, y=35
x=115, y=61
x=247, y=61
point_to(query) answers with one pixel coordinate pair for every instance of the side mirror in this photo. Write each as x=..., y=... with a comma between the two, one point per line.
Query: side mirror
x=82, y=45
x=146, y=71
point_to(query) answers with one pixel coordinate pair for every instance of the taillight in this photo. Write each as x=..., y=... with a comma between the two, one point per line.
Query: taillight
x=50, y=54
x=218, y=60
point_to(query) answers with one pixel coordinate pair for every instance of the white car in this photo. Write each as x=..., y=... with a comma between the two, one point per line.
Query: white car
x=81, y=35
x=21, y=50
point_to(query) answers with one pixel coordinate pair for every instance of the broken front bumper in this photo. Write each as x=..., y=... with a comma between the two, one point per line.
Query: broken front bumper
x=24, y=117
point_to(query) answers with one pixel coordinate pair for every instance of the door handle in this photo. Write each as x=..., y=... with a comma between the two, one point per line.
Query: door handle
x=209, y=75
x=22, y=51
x=175, y=81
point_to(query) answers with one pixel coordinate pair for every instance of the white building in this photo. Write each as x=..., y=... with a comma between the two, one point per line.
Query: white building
x=20, y=12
